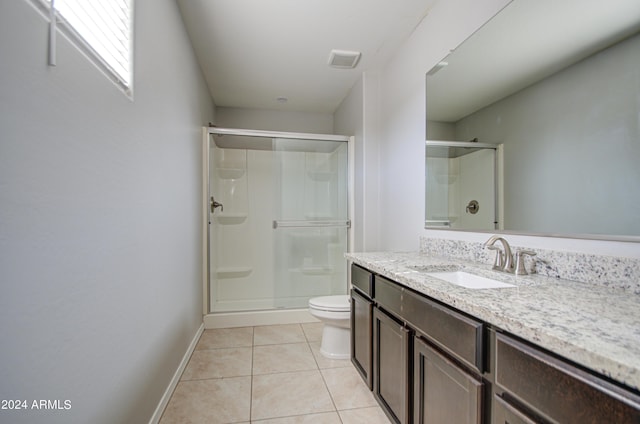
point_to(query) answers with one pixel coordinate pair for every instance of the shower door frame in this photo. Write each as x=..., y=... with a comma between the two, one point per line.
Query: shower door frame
x=206, y=193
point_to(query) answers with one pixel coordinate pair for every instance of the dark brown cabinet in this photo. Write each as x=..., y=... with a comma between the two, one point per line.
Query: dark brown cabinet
x=543, y=388
x=415, y=381
x=362, y=322
x=391, y=347
x=505, y=413
x=428, y=363
x=443, y=392
x=411, y=365
x=362, y=280
x=362, y=336
x=448, y=362
x=457, y=334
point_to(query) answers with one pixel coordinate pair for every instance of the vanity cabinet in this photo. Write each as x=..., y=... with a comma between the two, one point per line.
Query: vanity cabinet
x=391, y=350
x=534, y=386
x=362, y=323
x=431, y=363
x=448, y=362
x=427, y=358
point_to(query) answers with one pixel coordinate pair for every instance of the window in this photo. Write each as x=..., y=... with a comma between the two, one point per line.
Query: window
x=102, y=30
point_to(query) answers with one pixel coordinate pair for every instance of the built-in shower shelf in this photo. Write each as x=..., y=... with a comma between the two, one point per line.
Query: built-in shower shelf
x=319, y=217
x=233, y=272
x=231, y=173
x=231, y=218
x=440, y=221
x=313, y=270
x=446, y=178
x=320, y=175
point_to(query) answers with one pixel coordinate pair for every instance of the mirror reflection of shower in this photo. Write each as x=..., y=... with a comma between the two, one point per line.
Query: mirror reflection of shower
x=282, y=235
x=462, y=185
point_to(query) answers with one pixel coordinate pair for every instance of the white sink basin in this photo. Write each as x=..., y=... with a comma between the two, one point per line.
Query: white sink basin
x=470, y=281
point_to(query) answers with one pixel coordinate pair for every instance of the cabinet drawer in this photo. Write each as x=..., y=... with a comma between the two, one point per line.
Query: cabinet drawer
x=458, y=334
x=558, y=390
x=505, y=413
x=362, y=279
x=388, y=295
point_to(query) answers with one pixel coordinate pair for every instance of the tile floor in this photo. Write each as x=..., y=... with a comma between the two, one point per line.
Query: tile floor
x=270, y=375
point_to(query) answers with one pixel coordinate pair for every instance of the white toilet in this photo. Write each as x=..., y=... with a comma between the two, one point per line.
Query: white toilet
x=334, y=312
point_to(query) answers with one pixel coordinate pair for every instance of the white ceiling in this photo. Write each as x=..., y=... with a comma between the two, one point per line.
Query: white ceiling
x=254, y=51
x=527, y=41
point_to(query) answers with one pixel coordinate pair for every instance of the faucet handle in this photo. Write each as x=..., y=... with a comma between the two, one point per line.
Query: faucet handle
x=498, y=263
x=520, y=269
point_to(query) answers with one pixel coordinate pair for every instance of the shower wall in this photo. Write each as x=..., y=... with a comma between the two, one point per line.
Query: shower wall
x=235, y=233
x=453, y=182
x=256, y=265
x=476, y=182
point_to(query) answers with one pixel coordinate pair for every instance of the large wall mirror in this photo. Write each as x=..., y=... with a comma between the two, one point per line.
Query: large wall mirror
x=553, y=89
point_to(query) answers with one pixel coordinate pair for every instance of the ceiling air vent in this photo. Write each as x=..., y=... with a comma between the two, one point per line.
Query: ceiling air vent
x=343, y=59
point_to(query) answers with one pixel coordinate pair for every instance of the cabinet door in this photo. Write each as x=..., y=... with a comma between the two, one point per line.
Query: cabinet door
x=391, y=366
x=361, y=336
x=443, y=392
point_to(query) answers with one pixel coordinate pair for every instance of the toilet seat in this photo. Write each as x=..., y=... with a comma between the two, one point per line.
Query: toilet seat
x=338, y=303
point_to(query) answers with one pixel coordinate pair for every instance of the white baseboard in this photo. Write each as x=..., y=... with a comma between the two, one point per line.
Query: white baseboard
x=254, y=318
x=164, y=401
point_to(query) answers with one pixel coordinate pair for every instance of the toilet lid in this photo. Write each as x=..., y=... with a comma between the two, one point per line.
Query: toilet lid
x=339, y=303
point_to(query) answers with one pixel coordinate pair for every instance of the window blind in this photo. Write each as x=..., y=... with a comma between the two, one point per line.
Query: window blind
x=105, y=30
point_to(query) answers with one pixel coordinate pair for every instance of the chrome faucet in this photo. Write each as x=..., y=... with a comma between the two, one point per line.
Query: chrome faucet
x=520, y=268
x=504, y=259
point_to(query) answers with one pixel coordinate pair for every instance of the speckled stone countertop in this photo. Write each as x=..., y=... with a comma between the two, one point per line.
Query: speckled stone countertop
x=595, y=326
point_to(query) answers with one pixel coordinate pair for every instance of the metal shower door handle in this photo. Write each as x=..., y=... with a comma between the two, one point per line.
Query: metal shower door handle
x=215, y=205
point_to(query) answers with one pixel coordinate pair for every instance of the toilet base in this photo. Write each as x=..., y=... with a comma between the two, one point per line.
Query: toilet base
x=336, y=342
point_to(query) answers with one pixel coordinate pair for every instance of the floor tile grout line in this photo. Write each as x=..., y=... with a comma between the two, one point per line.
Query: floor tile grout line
x=335, y=407
x=314, y=356
x=226, y=377
x=315, y=413
x=285, y=372
x=220, y=348
x=253, y=333
x=294, y=415
x=283, y=344
x=333, y=402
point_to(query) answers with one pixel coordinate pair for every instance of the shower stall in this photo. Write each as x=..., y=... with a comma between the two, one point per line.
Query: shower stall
x=277, y=223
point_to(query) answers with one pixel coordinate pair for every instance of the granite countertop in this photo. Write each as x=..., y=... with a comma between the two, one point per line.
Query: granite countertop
x=595, y=326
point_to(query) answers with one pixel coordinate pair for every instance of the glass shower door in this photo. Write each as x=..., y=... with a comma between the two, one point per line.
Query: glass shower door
x=278, y=220
x=310, y=220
